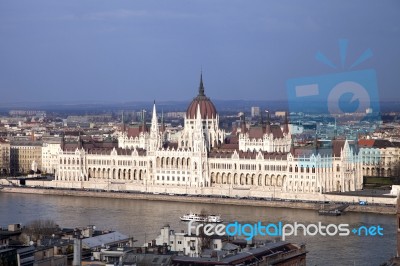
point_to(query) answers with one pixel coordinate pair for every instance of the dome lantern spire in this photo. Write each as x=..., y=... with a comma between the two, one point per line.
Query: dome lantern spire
x=207, y=108
x=201, y=87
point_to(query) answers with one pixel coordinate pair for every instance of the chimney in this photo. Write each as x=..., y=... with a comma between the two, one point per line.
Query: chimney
x=77, y=252
x=165, y=249
x=131, y=241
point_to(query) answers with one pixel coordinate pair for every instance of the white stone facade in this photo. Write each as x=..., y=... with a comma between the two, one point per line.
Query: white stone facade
x=195, y=164
x=267, y=143
x=188, y=244
x=50, y=151
x=384, y=161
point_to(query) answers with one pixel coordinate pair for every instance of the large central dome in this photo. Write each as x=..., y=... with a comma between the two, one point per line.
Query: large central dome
x=207, y=108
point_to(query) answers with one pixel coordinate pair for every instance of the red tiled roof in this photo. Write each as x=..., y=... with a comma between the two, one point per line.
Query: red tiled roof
x=366, y=142
x=229, y=146
x=92, y=145
x=136, y=130
x=257, y=132
x=377, y=143
x=337, y=146
x=247, y=154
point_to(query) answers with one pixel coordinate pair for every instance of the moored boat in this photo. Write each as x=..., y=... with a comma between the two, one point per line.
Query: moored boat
x=201, y=218
x=334, y=212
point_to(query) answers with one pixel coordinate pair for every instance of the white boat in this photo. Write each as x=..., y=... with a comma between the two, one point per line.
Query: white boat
x=201, y=218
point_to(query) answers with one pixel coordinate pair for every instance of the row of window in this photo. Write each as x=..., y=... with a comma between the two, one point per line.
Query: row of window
x=302, y=177
x=173, y=172
x=252, y=167
x=172, y=178
x=103, y=162
x=296, y=169
x=26, y=148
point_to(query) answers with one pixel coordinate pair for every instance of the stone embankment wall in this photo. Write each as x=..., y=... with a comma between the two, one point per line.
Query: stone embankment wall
x=204, y=200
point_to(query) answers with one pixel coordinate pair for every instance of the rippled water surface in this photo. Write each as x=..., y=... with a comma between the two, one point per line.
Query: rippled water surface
x=143, y=220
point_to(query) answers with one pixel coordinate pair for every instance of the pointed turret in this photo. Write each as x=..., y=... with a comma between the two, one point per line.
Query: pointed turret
x=346, y=151
x=243, y=128
x=346, y=146
x=154, y=131
x=198, y=116
x=154, y=121
x=201, y=86
x=80, y=142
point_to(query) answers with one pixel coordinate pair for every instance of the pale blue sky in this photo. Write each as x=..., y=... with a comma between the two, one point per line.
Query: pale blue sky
x=106, y=50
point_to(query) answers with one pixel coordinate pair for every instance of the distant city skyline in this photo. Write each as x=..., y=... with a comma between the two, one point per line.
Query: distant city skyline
x=107, y=51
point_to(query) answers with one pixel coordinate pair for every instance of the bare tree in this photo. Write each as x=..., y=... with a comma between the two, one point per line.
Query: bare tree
x=205, y=240
x=39, y=228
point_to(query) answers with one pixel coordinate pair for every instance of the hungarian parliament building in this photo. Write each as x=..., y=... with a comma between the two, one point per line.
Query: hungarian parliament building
x=259, y=157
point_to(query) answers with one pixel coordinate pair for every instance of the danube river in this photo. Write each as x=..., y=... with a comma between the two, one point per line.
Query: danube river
x=143, y=220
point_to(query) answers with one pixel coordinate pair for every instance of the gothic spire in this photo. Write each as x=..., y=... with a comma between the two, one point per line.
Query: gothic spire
x=80, y=141
x=198, y=115
x=154, y=114
x=201, y=87
x=242, y=123
x=154, y=131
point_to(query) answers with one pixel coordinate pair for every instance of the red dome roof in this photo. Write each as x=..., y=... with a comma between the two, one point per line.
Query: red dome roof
x=207, y=108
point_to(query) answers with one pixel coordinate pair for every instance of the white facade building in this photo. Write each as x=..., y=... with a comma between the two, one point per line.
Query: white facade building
x=258, y=158
x=380, y=157
x=188, y=244
x=50, y=151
